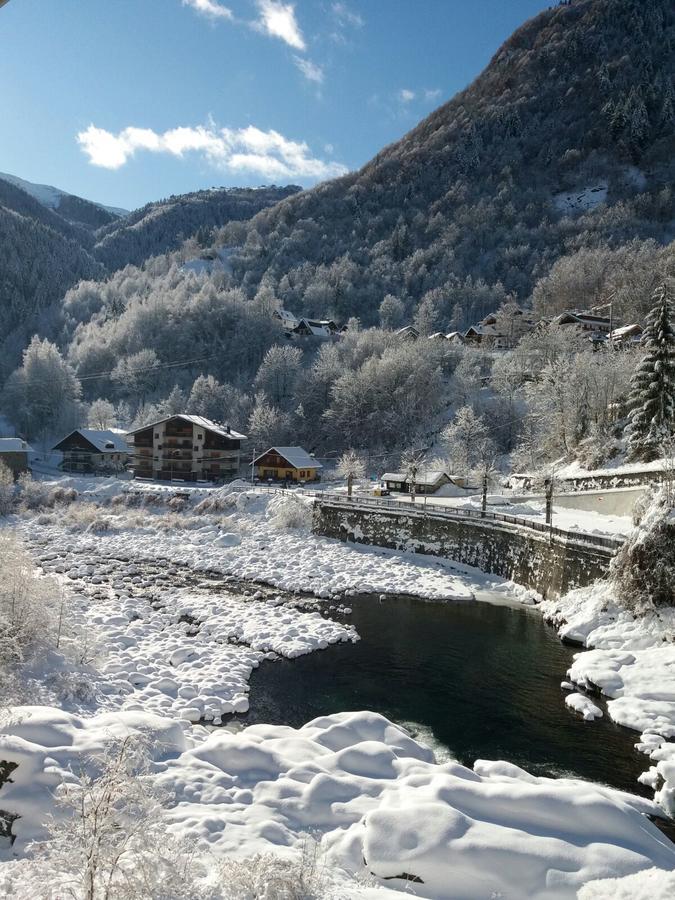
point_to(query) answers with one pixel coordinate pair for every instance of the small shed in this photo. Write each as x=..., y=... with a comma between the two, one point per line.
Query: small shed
x=14, y=454
x=91, y=450
x=287, y=464
x=425, y=482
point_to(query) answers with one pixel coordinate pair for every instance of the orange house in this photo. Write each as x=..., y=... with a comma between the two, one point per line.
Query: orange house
x=286, y=464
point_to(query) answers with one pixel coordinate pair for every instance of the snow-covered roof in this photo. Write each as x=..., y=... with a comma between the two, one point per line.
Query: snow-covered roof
x=13, y=445
x=575, y=315
x=437, y=335
x=626, y=331
x=296, y=456
x=454, y=336
x=200, y=421
x=420, y=478
x=318, y=329
x=105, y=441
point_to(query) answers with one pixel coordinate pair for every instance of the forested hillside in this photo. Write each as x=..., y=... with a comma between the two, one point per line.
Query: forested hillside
x=162, y=226
x=564, y=142
x=48, y=245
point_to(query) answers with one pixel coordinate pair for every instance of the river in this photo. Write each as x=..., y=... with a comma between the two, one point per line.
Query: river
x=480, y=680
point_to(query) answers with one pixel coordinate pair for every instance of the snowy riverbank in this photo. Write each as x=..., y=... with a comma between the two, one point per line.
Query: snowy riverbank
x=387, y=817
x=173, y=639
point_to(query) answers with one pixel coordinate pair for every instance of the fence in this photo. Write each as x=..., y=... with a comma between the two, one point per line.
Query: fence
x=437, y=512
x=418, y=507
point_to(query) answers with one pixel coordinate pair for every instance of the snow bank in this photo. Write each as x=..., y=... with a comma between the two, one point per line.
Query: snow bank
x=375, y=799
x=632, y=663
x=651, y=884
x=47, y=745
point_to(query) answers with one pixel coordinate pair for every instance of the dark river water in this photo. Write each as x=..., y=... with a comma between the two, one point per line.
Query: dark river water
x=482, y=680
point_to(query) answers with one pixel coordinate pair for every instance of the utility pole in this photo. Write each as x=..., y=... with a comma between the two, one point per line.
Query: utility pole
x=253, y=467
x=483, y=508
x=548, y=485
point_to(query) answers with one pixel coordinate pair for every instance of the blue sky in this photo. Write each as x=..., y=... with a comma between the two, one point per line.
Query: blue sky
x=126, y=101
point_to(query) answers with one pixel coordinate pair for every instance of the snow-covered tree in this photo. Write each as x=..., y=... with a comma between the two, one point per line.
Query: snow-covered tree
x=175, y=403
x=137, y=374
x=42, y=397
x=351, y=466
x=278, y=375
x=6, y=489
x=27, y=605
x=101, y=415
x=391, y=312
x=652, y=393
x=412, y=462
x=207, y=398
x=468, y=440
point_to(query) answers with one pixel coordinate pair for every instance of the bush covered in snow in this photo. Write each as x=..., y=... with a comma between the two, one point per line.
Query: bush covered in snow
x=290, y=512
x=643, y=571
x=27, y=609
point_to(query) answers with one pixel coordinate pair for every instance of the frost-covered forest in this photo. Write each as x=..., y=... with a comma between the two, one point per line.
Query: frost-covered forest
x=553, y=192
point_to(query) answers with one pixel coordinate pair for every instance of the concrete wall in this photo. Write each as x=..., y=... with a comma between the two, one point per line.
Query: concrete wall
x=612, y=501
x=551, y=568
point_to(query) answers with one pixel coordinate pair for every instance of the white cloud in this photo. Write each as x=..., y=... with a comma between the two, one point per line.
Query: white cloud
x=278, y=20
x=210, y=8
x=346, y=16
x=405, y=95
x=264, y=153
x=431, y=94
x=310, y=70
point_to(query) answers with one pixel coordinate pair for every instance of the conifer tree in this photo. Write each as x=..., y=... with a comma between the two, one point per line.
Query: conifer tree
x=652, y=395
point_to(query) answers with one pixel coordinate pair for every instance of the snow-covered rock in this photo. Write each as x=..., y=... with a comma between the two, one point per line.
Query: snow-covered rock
x=583, y=705
x=376, y=800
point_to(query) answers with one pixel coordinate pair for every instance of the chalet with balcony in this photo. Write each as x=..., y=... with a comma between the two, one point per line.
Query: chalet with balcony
x=185, y=448
x=89, y=450
x=287, y=464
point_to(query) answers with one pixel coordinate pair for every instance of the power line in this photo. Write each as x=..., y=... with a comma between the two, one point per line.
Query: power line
x=157, y=368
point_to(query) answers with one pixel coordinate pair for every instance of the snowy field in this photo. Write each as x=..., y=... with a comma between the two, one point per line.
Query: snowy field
x=173, y=628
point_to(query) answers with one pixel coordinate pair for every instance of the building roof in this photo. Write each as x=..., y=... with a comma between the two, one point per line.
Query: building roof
x=575, y=315
x=13, y=445
x=296, y=456
x=107, y=441
x=200, y=421
x=323, y=328
x=421, y=478
x=626, y=331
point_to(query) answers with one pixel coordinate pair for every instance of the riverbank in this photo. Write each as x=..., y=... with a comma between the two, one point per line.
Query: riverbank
x=178, y=639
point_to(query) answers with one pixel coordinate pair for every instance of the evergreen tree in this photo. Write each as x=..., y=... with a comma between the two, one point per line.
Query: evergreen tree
x=652, y=395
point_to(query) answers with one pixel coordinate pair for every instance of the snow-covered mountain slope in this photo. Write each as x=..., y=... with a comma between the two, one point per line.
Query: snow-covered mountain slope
x=54, y=198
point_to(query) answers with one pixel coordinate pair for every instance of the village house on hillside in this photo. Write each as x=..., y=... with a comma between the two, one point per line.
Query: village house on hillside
x=626, y=337
x=286, y=464
x=321, y=328
x=425, y=482
x=185, y=448
x=89, y=450
x=14, y=454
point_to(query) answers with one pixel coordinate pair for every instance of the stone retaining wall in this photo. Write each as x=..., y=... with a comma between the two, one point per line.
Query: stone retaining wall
x=550, y=567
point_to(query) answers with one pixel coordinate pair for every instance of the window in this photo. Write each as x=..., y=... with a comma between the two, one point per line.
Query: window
x=200, y=437
x=156, y=436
